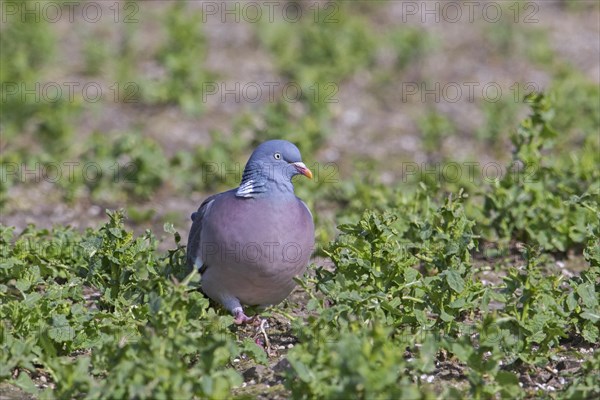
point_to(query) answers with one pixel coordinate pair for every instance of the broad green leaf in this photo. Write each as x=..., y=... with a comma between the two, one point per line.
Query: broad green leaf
x=590, y=332
x=590, y=315
x=588, y=294
x=25, y=383
x=455, y=281
x=257, y=353
x=61, y=330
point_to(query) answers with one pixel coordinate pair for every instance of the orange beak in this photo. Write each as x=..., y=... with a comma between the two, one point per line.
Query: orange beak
x=303, y=169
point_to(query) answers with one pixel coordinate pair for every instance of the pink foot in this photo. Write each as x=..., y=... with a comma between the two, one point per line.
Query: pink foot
x=242, y=319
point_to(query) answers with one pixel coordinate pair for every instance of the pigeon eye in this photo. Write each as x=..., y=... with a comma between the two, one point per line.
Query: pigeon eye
x=277, y=156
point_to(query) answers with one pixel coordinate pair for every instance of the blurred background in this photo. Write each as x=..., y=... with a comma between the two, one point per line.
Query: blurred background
x=151, y=106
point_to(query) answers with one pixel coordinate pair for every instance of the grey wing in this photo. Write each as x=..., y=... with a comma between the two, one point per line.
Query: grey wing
x=193, y=247
x=305, y=206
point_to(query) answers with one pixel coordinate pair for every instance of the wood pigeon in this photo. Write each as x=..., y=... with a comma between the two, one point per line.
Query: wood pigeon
x=250, y=242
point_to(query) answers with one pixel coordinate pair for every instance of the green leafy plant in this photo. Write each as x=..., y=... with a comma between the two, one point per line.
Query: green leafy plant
x=483, y=359
x=373, y=369
x=414, y=270
x=144, y=334
x=583, y=301
x=28, y=46
x=533, y=301
x=182, y=57
x=128, y=165
x=434, y=128
x=305, y=52
x=410, y=45
x=528, y=203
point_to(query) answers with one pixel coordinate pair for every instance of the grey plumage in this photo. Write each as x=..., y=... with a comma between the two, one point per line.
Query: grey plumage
x=250, y=242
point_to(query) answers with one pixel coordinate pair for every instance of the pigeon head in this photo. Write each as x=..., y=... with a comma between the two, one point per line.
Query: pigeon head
x=271, y=167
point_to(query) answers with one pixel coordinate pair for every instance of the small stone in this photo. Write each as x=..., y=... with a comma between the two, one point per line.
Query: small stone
x=290, y=346
x=282, y=366
x=254, y=373
x=94, y=210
